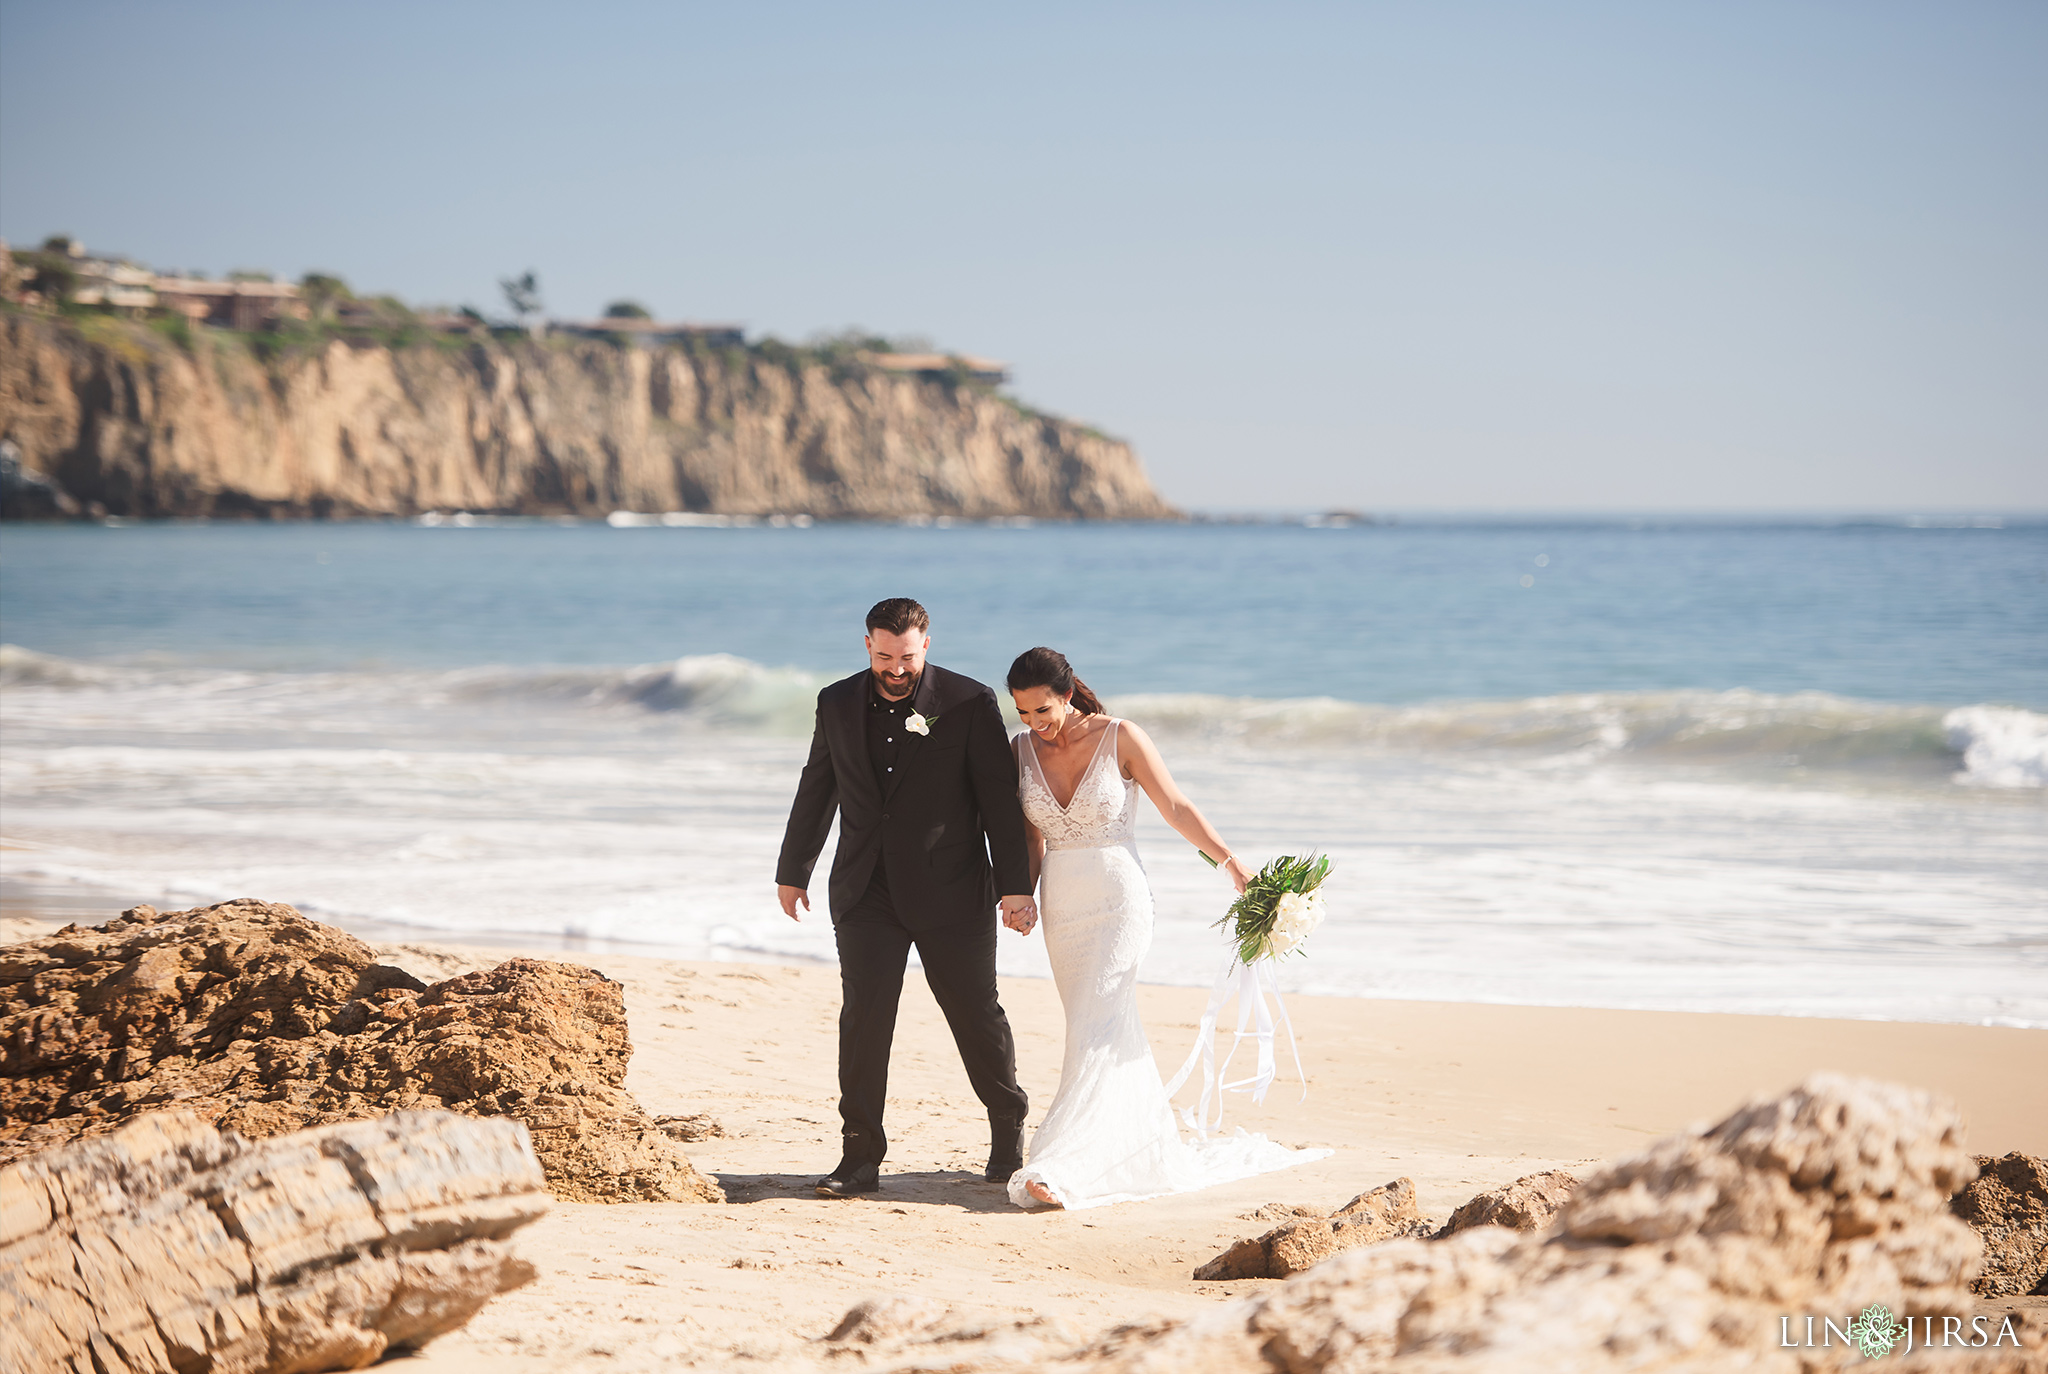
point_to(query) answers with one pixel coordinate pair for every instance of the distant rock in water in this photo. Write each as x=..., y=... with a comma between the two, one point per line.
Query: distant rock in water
x=169, y=1247
x=113, y=414
x=259, y=1020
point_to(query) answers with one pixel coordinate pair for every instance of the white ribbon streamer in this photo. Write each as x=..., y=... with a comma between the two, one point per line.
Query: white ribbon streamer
x=1249, y=983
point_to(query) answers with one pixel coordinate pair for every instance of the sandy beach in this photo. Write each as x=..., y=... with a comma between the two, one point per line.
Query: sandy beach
x=1457, y=1097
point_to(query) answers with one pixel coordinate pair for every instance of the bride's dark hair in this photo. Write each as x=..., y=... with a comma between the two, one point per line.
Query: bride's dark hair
x=1043, y=667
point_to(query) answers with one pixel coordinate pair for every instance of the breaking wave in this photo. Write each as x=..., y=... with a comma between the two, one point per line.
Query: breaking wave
x=720, y=689
x=1978, y=745
x=2001, y=746
x=1990, y=746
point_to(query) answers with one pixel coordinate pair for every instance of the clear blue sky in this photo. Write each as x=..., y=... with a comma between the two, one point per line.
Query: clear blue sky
x=1710, y=256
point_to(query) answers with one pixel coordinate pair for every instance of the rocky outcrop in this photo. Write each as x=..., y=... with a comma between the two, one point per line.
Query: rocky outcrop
x=170, y=1247
x=260, y=1021
x=1530, y=1203
x=26, y=495
x=120, y=417
x=1703, y=1253
x=1307, y=1236
x=2007, y=1206
x=1385, y=1213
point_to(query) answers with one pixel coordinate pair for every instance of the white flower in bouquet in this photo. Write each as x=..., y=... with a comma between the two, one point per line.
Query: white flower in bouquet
x=1295, y=917
x=1278, y=908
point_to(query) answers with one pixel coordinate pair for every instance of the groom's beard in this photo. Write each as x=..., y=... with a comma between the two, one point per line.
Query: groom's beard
x=896, y=689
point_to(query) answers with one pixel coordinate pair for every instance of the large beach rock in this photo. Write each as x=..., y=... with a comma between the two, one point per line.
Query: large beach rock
x=1385, y=1213
x=2007, y=1206
x=1696, y=1255
x=169, y=1247
x=261, y=1021
x=1530, y=1203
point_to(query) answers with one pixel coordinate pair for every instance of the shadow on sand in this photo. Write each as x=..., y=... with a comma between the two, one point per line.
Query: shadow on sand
x=955, y=1188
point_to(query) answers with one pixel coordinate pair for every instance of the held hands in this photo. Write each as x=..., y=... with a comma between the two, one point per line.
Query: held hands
x=1020, y=914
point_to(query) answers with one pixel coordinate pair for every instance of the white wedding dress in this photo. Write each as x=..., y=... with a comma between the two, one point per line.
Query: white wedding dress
x=1110, y=1135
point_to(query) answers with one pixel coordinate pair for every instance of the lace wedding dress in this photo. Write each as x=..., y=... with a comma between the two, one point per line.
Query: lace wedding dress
x=1110, y=1135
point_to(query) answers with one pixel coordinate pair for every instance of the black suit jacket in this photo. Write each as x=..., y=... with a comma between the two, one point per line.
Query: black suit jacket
x=949, y=822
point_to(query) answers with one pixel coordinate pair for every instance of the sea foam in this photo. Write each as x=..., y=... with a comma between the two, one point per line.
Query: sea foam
x=2001, y=746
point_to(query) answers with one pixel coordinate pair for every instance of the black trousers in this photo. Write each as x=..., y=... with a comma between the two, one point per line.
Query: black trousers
x=960, y=966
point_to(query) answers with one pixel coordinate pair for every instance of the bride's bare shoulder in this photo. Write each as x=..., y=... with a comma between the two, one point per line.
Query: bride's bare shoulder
x=1132, y=744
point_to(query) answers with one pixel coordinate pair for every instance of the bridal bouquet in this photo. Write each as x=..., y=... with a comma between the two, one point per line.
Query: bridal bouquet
x=1279, y=908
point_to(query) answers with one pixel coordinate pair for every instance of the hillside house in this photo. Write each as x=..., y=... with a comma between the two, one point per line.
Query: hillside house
x=245, y=305
x=110, y=281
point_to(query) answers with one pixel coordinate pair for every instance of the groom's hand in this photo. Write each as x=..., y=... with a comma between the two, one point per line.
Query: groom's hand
x=789, y=897
x=1020, y=914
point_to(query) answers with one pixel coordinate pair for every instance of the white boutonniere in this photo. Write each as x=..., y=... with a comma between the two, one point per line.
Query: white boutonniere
x=920, y=724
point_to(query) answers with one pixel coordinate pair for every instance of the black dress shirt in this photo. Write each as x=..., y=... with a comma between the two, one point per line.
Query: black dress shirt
x=885, y=731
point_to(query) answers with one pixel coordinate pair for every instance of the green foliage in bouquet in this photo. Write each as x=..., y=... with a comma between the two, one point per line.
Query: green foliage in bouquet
x=1256, y=908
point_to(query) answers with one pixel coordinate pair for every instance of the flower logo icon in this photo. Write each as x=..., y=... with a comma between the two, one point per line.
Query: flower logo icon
x=1875, y=1331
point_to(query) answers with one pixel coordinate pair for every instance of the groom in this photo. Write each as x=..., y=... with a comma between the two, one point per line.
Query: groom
x=917, y=763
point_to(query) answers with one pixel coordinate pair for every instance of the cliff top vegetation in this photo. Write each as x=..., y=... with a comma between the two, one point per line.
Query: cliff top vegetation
x=108, y=298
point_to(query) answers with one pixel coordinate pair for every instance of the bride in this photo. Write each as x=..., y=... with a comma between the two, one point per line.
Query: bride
x=1109, y=1135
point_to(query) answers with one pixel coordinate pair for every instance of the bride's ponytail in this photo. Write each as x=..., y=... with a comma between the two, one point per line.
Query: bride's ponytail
x=1043, y=667
x=1086, y=701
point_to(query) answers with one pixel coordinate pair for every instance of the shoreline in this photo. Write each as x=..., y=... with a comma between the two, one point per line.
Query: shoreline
x=1458, y=1097
x=27, y=905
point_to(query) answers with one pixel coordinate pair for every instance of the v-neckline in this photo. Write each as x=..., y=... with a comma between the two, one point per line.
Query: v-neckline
x=1086, y=768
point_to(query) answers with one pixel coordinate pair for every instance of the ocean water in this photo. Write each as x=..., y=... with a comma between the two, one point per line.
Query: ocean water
x=1788, y=768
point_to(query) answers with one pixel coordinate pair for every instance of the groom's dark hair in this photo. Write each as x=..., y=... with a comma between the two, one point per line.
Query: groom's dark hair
x=899, y=615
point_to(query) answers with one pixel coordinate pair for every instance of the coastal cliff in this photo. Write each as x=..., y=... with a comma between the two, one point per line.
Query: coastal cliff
x=122, y=417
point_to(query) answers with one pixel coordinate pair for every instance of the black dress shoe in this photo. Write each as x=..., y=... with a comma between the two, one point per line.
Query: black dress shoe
x=1005, y=1151
x=851, y=1180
